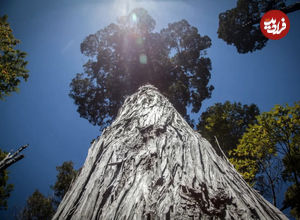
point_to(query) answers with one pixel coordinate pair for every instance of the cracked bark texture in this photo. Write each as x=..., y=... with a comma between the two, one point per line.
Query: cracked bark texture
x=150, y=164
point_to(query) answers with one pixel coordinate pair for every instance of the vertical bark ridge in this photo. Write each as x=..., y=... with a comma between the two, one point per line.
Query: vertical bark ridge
x=150, y=164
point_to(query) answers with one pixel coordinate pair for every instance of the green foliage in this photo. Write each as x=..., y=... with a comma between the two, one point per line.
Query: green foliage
x=12, y=63
x=276, y=131
x=12, y=68
x=126, y=55
x=38, y=207
x=239, y=26
x=64, y=178
x=255, y=146
x=5, y=188
x=292, y=196
x=227, y=122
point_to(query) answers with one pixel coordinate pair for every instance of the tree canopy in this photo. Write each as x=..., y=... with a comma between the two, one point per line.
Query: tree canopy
x=276, y=135
x=128, y=54
x=38, y=207
x=66, y=173
x=12, y=63
x=239, y=26
x=228, y=122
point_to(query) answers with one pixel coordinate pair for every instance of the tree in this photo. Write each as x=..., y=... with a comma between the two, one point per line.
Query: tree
x=239, y=26
x=150, y=164
x=12, y=69
x=6, y=160
x=38, y=207
x=292, y=196
x=5, y=188
x=276, y=135
x=12, y=63
x=228, y=122
x=126, y=55
x=66, y=174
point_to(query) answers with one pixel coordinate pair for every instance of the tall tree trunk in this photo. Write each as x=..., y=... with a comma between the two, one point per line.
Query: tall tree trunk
x=150, y=164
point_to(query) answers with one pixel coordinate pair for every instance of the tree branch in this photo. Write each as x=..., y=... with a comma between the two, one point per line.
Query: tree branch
x=287, y=9
x=291, y=8
x=12, y=158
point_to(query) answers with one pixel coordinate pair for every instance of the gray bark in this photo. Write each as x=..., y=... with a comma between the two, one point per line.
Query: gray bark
x=10, y=159
x=150, y=164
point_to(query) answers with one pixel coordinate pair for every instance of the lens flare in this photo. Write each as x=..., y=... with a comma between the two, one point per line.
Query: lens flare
x=143, y=59
x=134, y=17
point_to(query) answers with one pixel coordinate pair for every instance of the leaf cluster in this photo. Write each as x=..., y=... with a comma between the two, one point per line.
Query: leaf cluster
x=239, y=26
x=66, y=174
x=126, y=55
x=12, y=63
x=292, y=196
x=276, y=135
x=227, y=121
x=40, y=207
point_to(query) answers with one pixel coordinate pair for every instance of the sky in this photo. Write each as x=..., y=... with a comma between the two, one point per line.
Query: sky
x=44, y=116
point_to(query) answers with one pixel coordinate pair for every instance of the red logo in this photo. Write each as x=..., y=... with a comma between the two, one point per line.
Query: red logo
x=275, y=24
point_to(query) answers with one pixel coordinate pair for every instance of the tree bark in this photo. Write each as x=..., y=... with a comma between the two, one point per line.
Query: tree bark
x=10, y=159
x=150, y=164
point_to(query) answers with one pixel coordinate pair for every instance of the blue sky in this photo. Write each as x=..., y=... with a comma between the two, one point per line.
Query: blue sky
x=43, y=115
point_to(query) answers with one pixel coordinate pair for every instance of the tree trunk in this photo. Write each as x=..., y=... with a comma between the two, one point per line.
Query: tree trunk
x=150, y=164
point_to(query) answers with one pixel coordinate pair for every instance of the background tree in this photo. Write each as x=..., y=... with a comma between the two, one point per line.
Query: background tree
x=64, y=178
x=228, y=122
x=12, y=63
x=12, y=69
x=239, y=26
x=38, y=207
x=126, y=55
x=292, y=196
x=6, y=160
x=268, y=181
x=276, y=135
x=5, y=188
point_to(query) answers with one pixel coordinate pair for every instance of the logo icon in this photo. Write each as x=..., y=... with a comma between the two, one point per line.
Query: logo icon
x=275, y=24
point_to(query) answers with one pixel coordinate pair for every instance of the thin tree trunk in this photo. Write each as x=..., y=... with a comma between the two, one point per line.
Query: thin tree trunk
x=150, y=164
x=274, y=195
x=271, y=182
